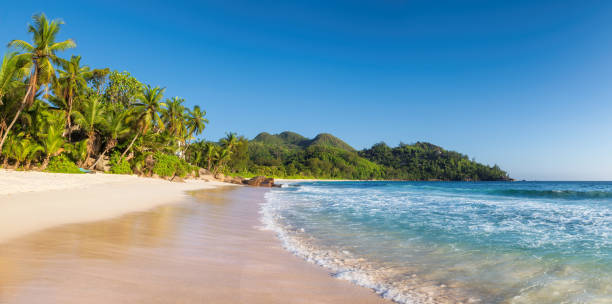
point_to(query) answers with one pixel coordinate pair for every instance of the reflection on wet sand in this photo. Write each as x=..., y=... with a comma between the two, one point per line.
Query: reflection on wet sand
x=204, y=250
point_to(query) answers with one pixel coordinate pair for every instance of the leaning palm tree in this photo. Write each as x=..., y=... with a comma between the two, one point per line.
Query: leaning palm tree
x=89, y=118
x=13, y=70
x=145, y=113
x=41, y=54
x=115, y=127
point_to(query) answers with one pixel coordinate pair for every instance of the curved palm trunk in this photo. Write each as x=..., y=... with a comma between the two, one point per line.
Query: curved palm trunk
x=17, y=163
x=45, y=162
x=68, y=120
x=111, y=144
x=21, y=107
x=5, y=162
x=129, y=147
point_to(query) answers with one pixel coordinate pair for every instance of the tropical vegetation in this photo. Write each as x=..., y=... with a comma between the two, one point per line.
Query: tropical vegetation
x=60, y=115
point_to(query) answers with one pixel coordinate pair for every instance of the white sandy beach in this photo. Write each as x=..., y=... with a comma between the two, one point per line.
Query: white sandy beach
x=31, y=201
x=120, y=239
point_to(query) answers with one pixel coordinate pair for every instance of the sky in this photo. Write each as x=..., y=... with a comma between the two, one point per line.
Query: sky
x=525, y=85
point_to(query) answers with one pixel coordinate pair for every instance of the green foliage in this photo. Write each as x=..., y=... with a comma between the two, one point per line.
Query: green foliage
x=290, y=155
x=424, y=161
x=122, y=88
x=170, y=165
x=77, y=151
x=118, y=165
x=61, y=164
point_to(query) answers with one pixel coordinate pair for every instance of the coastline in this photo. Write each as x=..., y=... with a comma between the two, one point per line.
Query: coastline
x=148, y=240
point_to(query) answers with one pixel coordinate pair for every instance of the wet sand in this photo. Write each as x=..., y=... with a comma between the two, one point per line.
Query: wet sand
x=205, y=249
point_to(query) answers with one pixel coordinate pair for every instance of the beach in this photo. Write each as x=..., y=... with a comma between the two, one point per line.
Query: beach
x=97, y=238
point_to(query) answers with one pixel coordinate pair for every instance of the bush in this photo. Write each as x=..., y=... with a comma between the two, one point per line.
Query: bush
x=170, y=165
x=61, y=164
x=117, y=167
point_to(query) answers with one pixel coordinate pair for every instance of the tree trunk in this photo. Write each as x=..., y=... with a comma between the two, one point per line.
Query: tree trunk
x=129, y=147
x=21, y=107
x=28, y=164
x=111, y=144
x=209, y=164
x=17, y=163
x=68, y=121
x=45, y=162
x=31, y=94
x=5, y=162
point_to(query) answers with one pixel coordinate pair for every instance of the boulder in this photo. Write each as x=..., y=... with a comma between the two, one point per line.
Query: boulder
x=204, y=172
x=238, y=180
x=261, y=181
x=220, y=176
x=256, y=181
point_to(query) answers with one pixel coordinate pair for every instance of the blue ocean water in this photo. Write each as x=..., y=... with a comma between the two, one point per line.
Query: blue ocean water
x=449, y=242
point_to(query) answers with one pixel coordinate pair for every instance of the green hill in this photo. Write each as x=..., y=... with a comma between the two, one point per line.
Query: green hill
x=328, y=140
x=292, y=139
x=289, y=154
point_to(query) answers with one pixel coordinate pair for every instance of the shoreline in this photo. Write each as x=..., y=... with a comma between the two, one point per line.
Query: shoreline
x=201, y=242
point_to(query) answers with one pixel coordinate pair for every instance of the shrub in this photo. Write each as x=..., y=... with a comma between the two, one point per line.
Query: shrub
x=169, y=165
x=61, y=164
x=118, y=167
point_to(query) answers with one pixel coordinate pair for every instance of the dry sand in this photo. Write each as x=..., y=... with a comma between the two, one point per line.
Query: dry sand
x=205, y=248
x=31, y=201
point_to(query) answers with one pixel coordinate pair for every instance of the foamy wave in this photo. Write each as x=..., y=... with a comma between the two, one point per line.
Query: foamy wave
x=345, y=266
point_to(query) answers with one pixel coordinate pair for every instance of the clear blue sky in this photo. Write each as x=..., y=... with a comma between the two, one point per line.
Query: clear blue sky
x=524, y=84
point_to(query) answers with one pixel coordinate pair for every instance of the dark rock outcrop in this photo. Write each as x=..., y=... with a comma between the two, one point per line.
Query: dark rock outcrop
x=261, y=181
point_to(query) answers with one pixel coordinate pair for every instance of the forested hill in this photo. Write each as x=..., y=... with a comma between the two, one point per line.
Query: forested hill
x=289, y=154
x=294, y=140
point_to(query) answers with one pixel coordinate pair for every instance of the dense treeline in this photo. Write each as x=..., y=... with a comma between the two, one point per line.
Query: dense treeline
x=58, y=115
x=424, y=161
x=291, y=155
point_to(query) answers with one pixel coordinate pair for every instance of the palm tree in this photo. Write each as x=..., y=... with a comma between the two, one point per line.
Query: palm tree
x=145, y=113
x=230, y=141
x=40, y=54
x=211, y=150
x=115, y=127
x=23, y=150
x=13, y=69
x=222, y=157
x=195, y=121
x=72, y=78
x=78, y=151
x=173, y=115
x=51, y=137
x=89, y=118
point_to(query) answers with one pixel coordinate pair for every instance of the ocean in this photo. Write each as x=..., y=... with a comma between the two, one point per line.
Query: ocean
x=449, y=242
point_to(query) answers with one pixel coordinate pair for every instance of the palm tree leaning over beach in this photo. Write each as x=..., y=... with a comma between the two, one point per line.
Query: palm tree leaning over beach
x=41, y=54
x=115, y=127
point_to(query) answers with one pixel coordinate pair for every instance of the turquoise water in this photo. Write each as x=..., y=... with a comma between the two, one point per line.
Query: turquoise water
x=439, y=242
